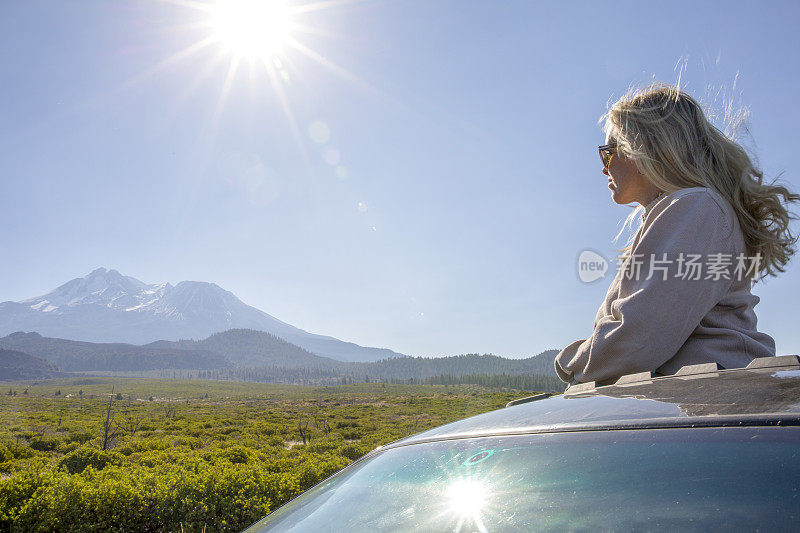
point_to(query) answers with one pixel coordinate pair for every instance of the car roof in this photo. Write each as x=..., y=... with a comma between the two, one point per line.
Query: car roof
x=766, y=392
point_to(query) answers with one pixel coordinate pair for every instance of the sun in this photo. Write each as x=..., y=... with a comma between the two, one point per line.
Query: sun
x=253, y=29
x=261, y=36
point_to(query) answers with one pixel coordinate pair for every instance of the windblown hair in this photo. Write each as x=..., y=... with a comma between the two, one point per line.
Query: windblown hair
x=667, y=135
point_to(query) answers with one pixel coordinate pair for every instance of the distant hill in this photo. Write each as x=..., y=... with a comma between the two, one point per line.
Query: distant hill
x=16, y=365
x=108, y=307
x=256, y=355
x=544, y=363
x=75, y=356
x=458, y=365
x=247, y=347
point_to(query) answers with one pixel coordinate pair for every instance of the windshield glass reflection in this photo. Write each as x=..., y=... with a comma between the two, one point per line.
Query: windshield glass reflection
x=634, y=479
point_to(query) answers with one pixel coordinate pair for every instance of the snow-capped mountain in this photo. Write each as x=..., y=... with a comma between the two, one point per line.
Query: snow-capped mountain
x=106, y=306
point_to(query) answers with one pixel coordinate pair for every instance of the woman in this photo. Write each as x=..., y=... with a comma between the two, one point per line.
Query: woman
x=710, y=228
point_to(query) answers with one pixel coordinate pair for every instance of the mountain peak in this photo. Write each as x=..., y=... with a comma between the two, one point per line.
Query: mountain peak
x=105, y=273
x=17, y=335
x=101, y=286
x=197, y=285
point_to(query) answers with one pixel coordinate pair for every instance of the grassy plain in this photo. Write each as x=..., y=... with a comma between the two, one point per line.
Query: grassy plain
x=189, y=455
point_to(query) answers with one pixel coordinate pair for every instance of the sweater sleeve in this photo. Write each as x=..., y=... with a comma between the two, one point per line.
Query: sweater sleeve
x=652, y=318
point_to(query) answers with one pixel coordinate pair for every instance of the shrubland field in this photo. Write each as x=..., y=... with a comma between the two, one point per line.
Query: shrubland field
x=127, y=454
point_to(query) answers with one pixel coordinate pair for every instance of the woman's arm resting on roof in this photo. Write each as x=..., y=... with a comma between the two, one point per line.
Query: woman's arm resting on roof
x=567, y=354
x=652, y=318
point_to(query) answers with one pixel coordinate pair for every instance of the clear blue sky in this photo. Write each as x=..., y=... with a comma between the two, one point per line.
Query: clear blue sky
x=466, y=132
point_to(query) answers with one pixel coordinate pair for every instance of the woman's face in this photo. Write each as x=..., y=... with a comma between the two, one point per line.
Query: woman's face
x=627, y=184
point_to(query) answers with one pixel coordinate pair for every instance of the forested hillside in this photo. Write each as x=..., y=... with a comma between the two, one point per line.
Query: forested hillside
x=77, y=356
x=19, y=365
x=489, y=370
x=247, y=347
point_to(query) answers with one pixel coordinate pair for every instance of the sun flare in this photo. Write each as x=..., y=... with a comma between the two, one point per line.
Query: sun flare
x=265, y=39
x=254, y=29
x=466, y=497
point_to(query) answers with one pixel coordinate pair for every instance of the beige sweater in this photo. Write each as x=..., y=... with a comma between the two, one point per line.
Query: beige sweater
x=691, y=316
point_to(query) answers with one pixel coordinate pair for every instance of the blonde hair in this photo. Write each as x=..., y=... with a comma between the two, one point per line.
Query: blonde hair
x=667, y=135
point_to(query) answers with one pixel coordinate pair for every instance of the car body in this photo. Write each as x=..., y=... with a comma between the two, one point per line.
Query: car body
x=704, y=449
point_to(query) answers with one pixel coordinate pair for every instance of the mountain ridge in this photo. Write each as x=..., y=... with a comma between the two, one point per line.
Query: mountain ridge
x=248, y=355
x=106, y=306
x=76, y=356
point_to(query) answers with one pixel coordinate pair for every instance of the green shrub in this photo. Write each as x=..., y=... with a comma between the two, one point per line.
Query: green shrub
x=68, y=447
x=125, y=450
x=226, y=499
x=350, y=434
x=44, y=443
x=21, y=452
x=352, y=451
x=78, y=460
x=81, y=437
x=5, y=453
x=315, y=469
x=15, y=493
x=236, y=454
x=275, y=440
x=330, y=443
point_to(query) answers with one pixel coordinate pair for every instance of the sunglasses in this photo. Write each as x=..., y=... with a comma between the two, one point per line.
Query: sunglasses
x=606, y=151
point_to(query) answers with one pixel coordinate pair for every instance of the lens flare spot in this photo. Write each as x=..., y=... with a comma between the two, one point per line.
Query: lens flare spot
x=362, y=207
x=319, y=132
x=341, y=172
x=332, y=156
x=478, y=457
x=259, y=183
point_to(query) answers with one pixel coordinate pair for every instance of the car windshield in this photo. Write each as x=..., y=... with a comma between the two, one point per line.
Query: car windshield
x=721, y=478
